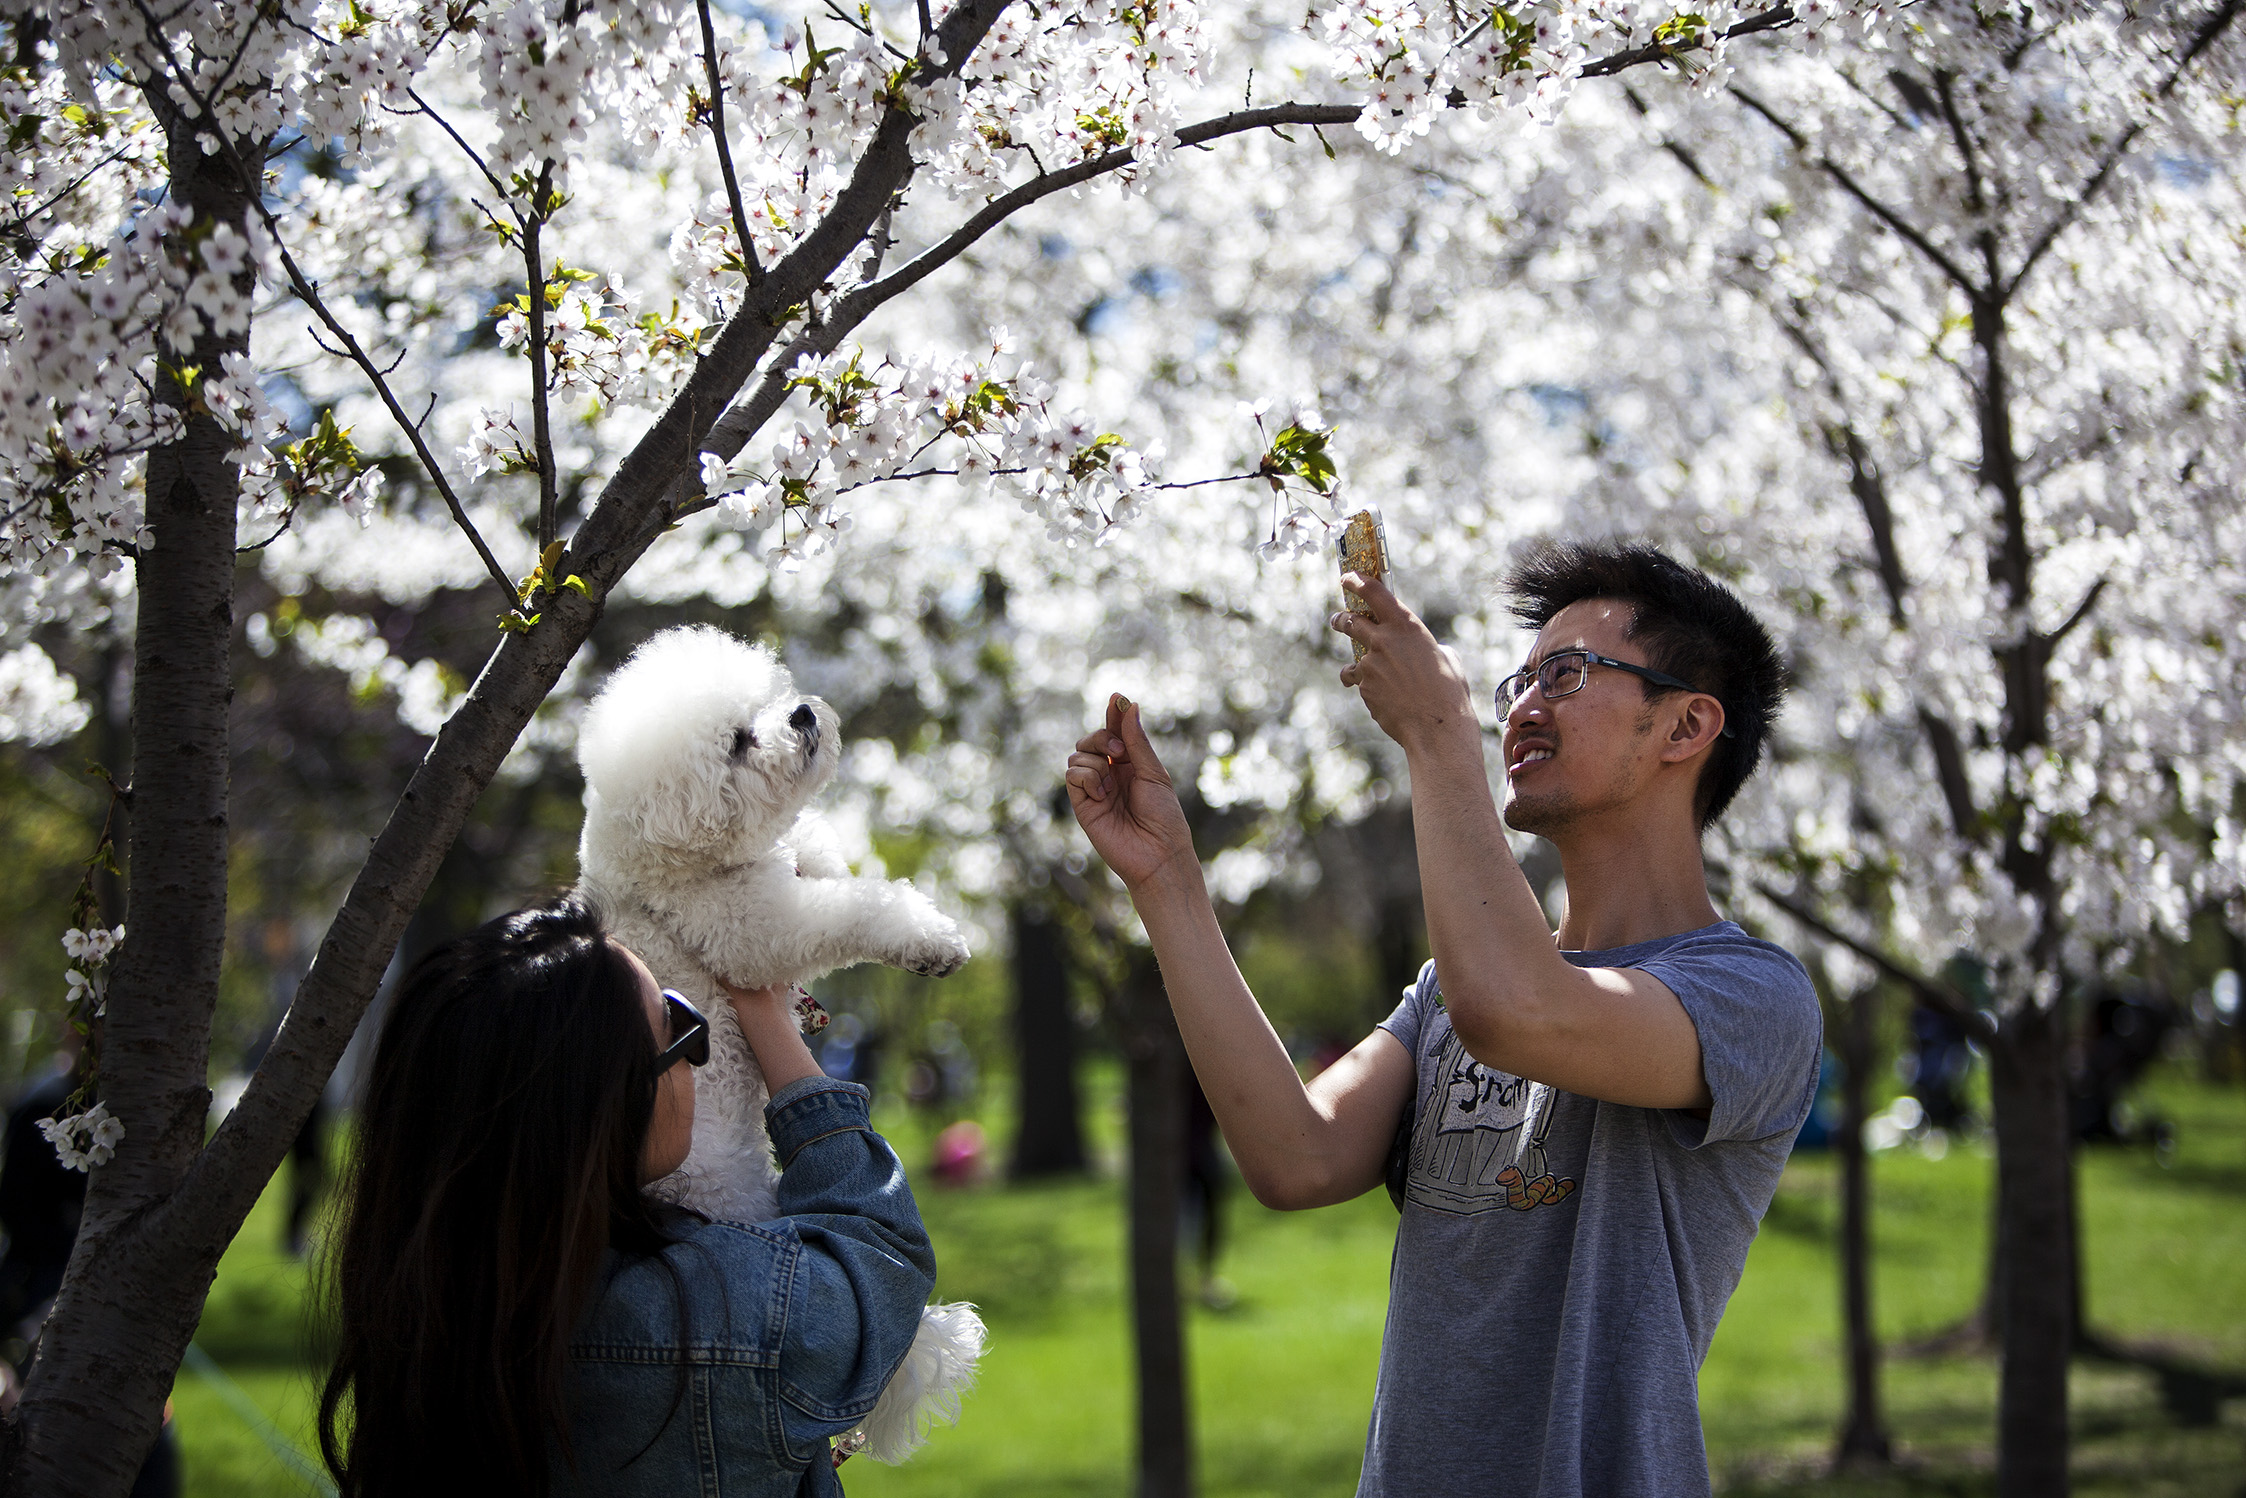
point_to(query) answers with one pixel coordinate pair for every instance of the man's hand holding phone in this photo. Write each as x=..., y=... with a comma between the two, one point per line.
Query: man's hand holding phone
x=1412, y=684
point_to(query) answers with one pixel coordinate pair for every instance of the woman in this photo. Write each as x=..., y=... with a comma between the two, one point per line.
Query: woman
x=517, y=1315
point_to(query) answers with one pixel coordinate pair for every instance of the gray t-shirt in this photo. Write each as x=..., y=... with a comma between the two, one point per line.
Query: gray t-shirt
x=1562, y=1262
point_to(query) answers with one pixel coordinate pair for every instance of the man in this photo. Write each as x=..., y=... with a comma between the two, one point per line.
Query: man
x=1592, y=1127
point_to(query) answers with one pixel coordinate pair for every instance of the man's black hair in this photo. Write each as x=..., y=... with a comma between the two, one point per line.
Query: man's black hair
x=1687, y=623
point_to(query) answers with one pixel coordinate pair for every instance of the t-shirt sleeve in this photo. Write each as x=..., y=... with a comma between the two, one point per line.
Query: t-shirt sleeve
x=1760, y=1036
x=1409, y=1015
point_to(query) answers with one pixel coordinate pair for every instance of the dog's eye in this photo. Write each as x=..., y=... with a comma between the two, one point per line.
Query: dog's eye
x=744, y=739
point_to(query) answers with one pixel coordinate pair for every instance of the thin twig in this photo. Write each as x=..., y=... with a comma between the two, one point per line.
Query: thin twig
x=541, y=418
x=1769, y=20
x=1938, y=995
x=457, y=139
x=60, y=193
x=1909, y=232
x=724, y=150
x=2081, y=612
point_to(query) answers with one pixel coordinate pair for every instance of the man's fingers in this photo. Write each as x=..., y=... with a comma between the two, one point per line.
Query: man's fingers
x=1089, y=773
x=1375, y=593
x=1139, y=747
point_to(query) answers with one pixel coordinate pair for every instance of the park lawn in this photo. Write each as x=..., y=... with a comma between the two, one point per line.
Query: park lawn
x=1283, y=1379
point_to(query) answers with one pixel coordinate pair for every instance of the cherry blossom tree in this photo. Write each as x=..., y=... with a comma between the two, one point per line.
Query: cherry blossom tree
x=345, y=178
x=1932, y=347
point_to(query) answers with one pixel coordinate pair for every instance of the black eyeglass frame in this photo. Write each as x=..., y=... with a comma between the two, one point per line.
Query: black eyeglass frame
x=1590, y=658
x=692, y=1045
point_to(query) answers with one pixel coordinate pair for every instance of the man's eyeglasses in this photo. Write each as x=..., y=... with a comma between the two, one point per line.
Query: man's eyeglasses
x=690, y=1033
x=1563, y=673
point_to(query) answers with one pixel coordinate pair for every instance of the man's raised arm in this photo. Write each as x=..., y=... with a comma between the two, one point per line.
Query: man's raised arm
x=1615, y=1034
x=1296, y=1145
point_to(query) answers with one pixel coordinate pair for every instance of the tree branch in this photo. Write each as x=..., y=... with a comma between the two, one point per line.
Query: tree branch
x=1865, y=481
x=1932, y=992
x=541, y=402
x=2081, y=612
x=1769, y=20
x=2204, y=38
x=1675, y=148
x=457, y=139
x=1949, y=773
x=1909, y=232
x=731, y=432
x=724, y=149
x=1975, y=197
x=307, y=293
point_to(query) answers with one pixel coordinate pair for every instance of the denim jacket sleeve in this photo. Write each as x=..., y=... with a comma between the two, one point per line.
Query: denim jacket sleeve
x=725, y=1363
x=866, y=1268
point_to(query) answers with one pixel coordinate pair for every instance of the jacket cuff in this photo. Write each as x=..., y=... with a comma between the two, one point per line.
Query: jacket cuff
x=812, y=1108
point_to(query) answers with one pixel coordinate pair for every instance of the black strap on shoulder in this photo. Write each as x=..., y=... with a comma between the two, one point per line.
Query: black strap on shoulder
x=1400, y=1148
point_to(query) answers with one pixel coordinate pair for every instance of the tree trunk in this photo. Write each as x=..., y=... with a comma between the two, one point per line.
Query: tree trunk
x=1156, y=1060
x=1050, y=1136
x=1863, y=1436
x=114, y=741
x=159, y=1215
x=2035, y=1293
x=154, y=1041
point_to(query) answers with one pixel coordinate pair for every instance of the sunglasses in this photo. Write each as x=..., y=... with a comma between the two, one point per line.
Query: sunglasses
x=690, y=1033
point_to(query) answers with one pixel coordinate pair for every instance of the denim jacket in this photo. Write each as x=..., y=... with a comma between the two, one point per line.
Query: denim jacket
x=791, y=1327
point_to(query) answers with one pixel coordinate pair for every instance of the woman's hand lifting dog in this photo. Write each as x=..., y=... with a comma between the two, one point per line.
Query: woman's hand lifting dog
x=1126, y=804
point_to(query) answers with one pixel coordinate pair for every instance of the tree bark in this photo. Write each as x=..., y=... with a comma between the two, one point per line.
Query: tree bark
x=2034, y=1295
x=1050, y=1136
x=160, y=1214
x=122, y=1292
x=1156, y=1061
x=1863, y=1436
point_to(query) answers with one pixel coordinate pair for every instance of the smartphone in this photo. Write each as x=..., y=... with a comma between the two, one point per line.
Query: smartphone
x=1364, y=548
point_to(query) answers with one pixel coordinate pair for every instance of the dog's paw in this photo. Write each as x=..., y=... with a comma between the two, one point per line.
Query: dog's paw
x=937, y=955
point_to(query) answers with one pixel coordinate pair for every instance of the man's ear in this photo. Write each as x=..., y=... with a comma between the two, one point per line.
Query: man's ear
x=1697, y=721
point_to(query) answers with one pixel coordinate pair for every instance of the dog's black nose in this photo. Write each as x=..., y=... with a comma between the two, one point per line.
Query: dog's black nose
x=804, y=721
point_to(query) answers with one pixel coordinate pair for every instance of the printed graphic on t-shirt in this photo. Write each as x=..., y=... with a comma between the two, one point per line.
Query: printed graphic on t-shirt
x=1478, y=1138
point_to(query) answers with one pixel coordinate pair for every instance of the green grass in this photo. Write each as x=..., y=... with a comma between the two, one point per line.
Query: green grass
x=1283, y=1379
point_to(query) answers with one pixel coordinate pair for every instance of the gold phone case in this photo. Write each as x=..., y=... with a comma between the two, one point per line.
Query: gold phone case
x=1364, y=549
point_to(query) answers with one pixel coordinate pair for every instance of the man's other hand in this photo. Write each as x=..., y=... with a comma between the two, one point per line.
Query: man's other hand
x=1125, y=802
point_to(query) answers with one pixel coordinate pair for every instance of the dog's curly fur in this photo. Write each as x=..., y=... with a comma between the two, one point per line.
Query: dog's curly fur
x=700, y=763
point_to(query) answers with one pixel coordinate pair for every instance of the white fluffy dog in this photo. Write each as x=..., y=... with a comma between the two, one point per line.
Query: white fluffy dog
x=700, y=762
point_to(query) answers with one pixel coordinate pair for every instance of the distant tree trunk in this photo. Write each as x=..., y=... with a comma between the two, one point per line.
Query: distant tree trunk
x=1050, y=1139
x=2034, y=1297
x=1863, y=1436
x=1155, y=1057
x=2238, y=1015
x=1400, y=943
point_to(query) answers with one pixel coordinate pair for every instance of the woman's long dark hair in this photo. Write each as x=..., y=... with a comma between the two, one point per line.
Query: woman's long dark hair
x=498, y=1161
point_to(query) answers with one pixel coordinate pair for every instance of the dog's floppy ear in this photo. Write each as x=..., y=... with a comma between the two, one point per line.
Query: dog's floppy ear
x=657, y=744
